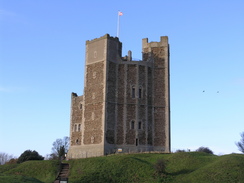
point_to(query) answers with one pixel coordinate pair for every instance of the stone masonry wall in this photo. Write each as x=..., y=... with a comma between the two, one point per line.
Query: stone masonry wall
x=120, y=104
x=131, y=103
x=93, y=132
x=142, y=130
x=131, y=81
x=120, y=124
x=111, y=103
x=142, y=84
x=76, y=119
x=159, y=96
x=130, y=133
x=149, y=108
x=121, y=83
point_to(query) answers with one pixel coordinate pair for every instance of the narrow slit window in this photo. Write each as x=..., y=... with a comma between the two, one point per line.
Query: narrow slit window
x=75, y=128
x=79, y=127
x=140, y=92
x=132, y=125
x=139, y=125
x=133, y=92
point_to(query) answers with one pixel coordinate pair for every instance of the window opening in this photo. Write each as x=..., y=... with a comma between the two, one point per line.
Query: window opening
x=136, y=141
x=140, y=92
x=139, y=125
x=92, y=139
x=132, y=125
x=75, y=127
x=133, y=92
x=77, y=141
x=79, y=127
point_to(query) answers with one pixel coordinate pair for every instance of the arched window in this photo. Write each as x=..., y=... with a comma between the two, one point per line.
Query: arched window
x=140, y=92
x=79, y=127
x=132, y=125
x=77, y=141
x=75, y=127
x=80, y=106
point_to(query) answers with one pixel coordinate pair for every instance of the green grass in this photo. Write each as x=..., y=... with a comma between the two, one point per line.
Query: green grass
x=184, y=167
x=181, y=167
x=41, y=171
x=17, y=179
x=118, y=168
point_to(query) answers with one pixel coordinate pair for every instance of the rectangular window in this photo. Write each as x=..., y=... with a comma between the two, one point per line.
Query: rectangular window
x=139, y=125
x=133, y=92
x=79, y=128
x=132, y=125
x=140, y=92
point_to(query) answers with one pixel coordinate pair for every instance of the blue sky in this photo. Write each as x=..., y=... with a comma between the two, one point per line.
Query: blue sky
x=42, y=57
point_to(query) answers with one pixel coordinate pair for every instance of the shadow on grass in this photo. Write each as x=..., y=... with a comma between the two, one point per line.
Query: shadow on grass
x=169, y=177
x=184, y=171
x=142, y=161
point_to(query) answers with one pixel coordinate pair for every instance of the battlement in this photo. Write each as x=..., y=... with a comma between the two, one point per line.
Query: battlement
x=106, y=36
x=163, y=42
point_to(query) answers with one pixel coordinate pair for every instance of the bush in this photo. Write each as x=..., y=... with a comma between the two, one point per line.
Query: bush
x=29, y=155
x=12, y=161
x=204, y=149
x=160, y=167
x=180, y=150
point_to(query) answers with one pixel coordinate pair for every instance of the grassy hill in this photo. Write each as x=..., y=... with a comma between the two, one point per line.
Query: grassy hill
x=29, y=172
x=184, y=167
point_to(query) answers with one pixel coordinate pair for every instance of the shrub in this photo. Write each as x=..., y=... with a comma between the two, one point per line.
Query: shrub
x=204, y=149
x=29, y=155
x=160, y=167
x=180, y=150
x=12, y=161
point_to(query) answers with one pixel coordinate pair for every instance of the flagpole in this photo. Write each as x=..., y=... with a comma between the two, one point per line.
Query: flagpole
x=118, y=25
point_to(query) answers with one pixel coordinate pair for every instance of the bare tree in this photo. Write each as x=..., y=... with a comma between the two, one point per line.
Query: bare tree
x=4, y=157
x=60, y=148
x=240, y=144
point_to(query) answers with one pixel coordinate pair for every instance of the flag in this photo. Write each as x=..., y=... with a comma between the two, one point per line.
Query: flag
x=120, y=13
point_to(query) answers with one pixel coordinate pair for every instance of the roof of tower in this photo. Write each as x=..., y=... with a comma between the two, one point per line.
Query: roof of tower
x=163, y=42
x=106, y=36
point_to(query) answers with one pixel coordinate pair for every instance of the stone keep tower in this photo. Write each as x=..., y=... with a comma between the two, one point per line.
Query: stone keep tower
x=126, y=103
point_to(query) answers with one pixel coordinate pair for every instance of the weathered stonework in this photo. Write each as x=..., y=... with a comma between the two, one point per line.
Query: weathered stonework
x=126, y=103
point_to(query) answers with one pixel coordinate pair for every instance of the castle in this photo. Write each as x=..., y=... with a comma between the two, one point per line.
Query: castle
x=126, y=104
